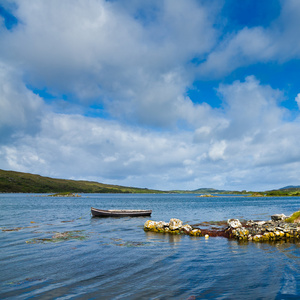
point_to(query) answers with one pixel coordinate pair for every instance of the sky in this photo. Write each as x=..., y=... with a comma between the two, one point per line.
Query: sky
x=162, y=94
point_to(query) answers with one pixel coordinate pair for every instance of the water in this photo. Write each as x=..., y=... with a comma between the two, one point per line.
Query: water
x=115, y=259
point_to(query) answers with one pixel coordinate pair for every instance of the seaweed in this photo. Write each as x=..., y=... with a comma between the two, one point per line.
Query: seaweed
x=60, y=237
x=25, y=281
x=120, y=243
x=18, y=228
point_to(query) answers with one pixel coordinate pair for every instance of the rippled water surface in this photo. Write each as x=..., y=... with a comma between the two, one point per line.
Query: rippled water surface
x=51, y=248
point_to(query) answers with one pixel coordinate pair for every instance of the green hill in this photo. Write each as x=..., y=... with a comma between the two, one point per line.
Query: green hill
x=286, y=191
x=17, y=182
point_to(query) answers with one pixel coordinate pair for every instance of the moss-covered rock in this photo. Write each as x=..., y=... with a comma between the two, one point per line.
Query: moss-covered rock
x=150, y=225
x=294, y=218
x=276, y=229
x=195, y=232
x=175, y=224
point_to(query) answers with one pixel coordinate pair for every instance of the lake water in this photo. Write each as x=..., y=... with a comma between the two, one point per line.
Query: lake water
x=114, y=258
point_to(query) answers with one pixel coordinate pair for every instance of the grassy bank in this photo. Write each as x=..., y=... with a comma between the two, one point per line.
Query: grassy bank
x=17, y=182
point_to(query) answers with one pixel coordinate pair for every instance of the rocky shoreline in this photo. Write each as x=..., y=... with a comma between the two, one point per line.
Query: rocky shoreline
x=275, y=229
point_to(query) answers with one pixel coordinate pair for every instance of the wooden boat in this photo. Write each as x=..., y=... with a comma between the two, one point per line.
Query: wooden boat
x=119, y=213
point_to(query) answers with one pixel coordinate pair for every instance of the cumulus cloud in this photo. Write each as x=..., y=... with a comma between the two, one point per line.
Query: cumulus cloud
x=20, y=109
x=249, y=135
x=279, y=42
x=247, y=46
x=89, y=148
x=81, y=147
x=103, y=53
x=250, y=107
x=134, y=61
x=297, y=99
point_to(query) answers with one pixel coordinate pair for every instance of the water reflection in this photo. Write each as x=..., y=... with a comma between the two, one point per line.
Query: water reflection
x=166, y=237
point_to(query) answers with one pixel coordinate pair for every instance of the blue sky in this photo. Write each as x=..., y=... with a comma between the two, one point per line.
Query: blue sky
x=161, y=94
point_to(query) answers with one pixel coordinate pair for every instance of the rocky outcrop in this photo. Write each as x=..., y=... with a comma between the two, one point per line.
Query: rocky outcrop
x=175, y=226
x=258, y=231
x=234, y=223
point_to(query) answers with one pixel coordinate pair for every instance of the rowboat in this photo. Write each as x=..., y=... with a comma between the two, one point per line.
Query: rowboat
x=119, y=213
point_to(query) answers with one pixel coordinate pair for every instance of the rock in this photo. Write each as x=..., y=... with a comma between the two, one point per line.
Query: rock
x=260, y=223
x=195, y=232
x=150, y=225
x=161, y=225
x=256, y=231
x=175, y=224
x=257, y=238
x=297, y=220
x=234, y=223
x=278, y=217
x=186, y=228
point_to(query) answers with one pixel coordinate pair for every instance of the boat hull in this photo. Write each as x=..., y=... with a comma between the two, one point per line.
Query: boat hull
x=119, y=213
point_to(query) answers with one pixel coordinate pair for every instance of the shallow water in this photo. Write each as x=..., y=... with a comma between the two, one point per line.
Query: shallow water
x=114, y=258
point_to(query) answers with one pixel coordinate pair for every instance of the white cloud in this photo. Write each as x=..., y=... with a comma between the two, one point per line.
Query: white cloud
x=81, y=147
x=297, y=99
x=247, y=46
x=251, y=108
x=223, y=149
x=102, y=53
x=217, y=150
x=280, y=42
x=20, y=109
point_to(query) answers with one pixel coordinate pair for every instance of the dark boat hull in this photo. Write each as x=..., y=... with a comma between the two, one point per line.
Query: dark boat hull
x=119, y=213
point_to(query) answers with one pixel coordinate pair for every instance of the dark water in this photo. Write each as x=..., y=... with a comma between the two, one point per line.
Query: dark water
x=115, y=259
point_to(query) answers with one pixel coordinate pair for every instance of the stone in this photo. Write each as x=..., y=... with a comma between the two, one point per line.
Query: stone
x=186, y=228
x=195, y=232
x=150, y=225
x=161, y=225
x=256, y=231
x=297, y=220
x=175, y=224
x=234, y=223
x=250, y=223
x=257, y=238
x=260, y=223
x=278, y=217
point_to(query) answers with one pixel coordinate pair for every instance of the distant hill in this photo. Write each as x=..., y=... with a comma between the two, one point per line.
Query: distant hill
x=290, y=190
x=18, y=182
x=211, y=191
x=198, y=191
x=207, y=191
x=291, y=187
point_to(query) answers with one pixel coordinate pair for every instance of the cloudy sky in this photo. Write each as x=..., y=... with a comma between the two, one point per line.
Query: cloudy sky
x=164, y=94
